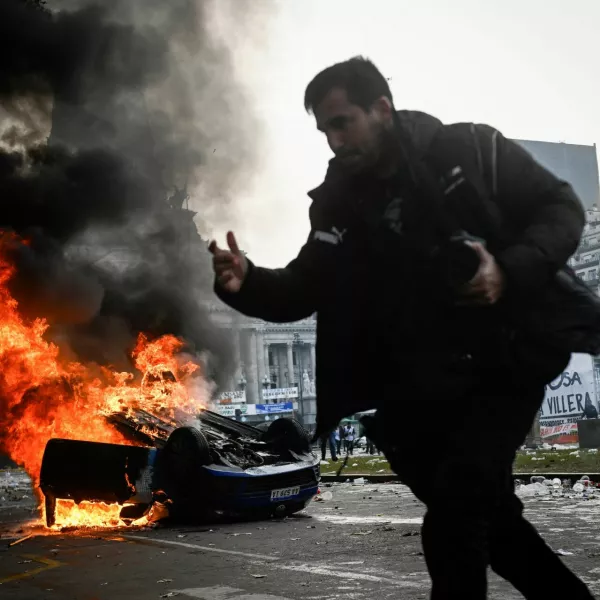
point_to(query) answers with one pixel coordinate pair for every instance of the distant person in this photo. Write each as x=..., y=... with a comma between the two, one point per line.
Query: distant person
x=339, y=435
x=349, y=437
x=437, y=267
x=328, y=438
x=371, y=449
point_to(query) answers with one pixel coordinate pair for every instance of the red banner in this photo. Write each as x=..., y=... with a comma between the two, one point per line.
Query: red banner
x=560, y=434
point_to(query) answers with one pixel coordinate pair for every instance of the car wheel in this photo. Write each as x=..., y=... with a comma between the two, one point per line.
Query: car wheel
x=287, y=434
x=185, y=452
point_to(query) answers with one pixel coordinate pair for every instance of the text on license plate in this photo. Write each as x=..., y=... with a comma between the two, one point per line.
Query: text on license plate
x=284, y=493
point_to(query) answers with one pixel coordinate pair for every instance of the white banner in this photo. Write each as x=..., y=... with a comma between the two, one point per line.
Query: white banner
x=567, y=396
x=228, y=410
x=279, y=393
x=236, y=397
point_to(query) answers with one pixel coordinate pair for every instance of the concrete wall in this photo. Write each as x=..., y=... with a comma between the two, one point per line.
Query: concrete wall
x=574, y=163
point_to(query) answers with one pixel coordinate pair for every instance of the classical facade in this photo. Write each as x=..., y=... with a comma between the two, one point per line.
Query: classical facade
x=273, y=358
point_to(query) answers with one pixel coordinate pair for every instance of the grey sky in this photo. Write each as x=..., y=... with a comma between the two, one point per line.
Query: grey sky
x=529, y=68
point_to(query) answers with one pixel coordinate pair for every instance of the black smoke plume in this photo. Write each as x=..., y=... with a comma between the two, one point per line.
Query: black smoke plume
x=110, y=111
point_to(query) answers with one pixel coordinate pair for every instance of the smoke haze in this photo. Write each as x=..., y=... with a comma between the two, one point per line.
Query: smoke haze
x=108, y=111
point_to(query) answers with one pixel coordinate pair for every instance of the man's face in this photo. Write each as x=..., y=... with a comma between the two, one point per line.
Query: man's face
x=355, y=136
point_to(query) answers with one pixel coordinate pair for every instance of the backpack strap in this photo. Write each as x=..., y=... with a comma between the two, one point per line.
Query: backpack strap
x=466, y=182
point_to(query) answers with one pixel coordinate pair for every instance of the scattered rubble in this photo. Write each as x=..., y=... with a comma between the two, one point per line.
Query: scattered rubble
x=540, y=486
x=324, y=497
x=15, y=487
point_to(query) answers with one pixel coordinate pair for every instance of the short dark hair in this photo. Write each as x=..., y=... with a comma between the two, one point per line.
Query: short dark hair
x=359, y=77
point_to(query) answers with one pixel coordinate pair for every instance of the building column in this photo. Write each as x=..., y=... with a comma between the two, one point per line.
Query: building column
x=267, y=365
x=281, y=383
x=260, y=359
x=237, y=357
x=252, y=391
x=290, y=364
x=237, y=349
x=313, y=360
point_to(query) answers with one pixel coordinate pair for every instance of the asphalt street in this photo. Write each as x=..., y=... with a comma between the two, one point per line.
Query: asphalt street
x=362, y=543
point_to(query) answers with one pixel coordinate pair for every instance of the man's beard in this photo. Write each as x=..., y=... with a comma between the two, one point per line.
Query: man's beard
x=371, y=160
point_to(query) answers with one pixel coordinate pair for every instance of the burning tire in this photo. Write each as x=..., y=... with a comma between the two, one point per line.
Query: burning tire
x=287, y=434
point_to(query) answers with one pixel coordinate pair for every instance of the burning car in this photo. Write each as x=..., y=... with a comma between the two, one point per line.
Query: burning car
x=215, y=466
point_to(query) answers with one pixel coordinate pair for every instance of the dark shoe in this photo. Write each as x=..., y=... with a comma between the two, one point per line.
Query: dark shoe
x=335, y=459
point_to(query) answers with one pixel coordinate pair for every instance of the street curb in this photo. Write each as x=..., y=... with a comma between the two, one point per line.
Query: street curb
x=392, y=477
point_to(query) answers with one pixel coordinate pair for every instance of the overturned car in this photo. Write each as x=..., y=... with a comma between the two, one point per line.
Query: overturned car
x=214, y=466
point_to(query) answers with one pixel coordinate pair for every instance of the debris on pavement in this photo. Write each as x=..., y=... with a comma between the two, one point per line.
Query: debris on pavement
x=324, y=497
x=555, y=488
x=21, y=540
x=15, y=488
x=165, y=581
x=531, y=490
x=564, y=553
x=258, y=576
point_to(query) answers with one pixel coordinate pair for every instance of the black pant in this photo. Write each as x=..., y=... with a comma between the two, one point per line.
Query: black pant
x=459, y=463
x=371, y=449
x=328, y=439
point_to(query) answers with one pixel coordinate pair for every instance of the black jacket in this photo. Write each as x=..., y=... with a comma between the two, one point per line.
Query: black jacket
x=335, y=274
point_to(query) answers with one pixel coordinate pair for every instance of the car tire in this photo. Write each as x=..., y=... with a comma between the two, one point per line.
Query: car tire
x=287, y=434
x=185, y=453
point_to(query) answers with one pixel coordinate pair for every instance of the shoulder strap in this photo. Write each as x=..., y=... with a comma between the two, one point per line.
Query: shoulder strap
x=466, y=181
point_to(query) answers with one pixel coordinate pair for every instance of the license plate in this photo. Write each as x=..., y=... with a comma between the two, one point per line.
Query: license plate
x=284, y=493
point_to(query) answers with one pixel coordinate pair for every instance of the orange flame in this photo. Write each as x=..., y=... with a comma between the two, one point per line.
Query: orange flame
x=43, y=395
x=88, y=514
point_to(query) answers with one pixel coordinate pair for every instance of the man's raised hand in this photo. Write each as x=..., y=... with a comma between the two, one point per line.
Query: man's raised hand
x=230, y=266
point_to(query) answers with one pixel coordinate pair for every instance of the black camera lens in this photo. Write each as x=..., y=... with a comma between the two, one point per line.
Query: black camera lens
x=461, y=262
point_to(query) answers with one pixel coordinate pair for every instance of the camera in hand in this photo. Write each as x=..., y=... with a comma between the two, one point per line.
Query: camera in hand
x=458, y=262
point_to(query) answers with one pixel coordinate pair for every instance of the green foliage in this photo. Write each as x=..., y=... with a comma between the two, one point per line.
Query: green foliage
x=539, y=461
